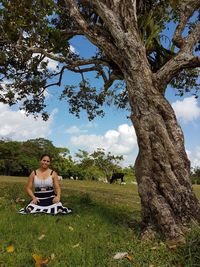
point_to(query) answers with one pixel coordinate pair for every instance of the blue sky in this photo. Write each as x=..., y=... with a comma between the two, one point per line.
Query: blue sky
x=114, y=132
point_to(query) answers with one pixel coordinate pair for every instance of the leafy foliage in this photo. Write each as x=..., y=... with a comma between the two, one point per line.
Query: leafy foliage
x=33, y=32
x=78, y=99
x=106, y=163
x=20, y=158
x=195, y=177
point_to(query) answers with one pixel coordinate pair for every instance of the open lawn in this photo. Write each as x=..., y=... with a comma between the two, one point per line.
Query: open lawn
x=105, y=220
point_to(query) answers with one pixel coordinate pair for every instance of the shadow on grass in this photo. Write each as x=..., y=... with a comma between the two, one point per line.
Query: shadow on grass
x=83, y=204
x=116, y=214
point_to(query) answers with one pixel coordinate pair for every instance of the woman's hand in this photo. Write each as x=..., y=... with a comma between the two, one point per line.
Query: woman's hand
x=35, y=200
x=56, y=199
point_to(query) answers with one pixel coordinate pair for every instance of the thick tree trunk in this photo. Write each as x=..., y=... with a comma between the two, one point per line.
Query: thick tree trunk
x=162, y=167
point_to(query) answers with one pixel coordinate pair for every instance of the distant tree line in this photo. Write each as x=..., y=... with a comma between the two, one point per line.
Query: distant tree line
x=20, y=158
x=195, y=177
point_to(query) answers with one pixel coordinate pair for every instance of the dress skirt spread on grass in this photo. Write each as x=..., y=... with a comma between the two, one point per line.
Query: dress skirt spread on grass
x=44, y=191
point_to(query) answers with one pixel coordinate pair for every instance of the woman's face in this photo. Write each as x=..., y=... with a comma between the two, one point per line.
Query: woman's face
x=45, y=161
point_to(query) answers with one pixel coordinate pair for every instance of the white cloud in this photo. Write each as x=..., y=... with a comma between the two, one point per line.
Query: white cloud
x=81, y=129
x=119, y=142
x=188, y=152
x=187, y=110
x=17, y=126
x=72, y=49
x=52, y=64
x=195, y=157
x=74, y=130
x=89, y=125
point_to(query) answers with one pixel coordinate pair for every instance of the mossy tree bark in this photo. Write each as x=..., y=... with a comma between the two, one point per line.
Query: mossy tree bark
x=162, y=168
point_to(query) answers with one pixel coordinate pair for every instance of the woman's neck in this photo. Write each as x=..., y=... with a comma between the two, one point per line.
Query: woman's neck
x=43, y=170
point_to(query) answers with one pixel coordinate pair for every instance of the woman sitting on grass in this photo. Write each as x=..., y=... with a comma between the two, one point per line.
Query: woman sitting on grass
x=46, y=198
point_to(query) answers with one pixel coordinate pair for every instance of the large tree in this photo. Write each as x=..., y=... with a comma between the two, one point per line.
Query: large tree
x=104, y=162
x=130, y=36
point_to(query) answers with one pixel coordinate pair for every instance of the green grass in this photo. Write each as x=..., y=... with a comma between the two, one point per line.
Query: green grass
x=105, y=220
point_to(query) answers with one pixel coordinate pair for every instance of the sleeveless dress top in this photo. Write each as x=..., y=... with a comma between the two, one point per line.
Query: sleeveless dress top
x=39, y=182
x=44, y=191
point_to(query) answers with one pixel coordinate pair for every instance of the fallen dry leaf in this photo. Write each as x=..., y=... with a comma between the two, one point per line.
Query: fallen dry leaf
x=10, y=249
x=151, y=265
x=71, y=228
x=129, y=257
x=19, y=200
x=155, y=248
x=52, y=256
x=120, y=255
x=39, y=261
x=41, y=237
x=75, y=246
x=173, y=247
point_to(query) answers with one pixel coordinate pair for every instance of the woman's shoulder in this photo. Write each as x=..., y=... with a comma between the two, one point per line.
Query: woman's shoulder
x=32, y=174
x=53, y=173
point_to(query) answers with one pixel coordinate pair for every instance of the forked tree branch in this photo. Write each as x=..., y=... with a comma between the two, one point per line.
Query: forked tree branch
x=185, y=57
x=98, y=39
x=119, y=16
x=113, y=76
x=192, y=39
x=174, y=66
x=187, y=8
x=58, y=83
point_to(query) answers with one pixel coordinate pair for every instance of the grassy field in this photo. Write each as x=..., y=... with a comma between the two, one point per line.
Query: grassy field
x=105, y=220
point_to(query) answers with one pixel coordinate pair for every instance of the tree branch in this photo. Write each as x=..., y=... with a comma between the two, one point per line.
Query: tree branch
x=119, y=16
x=79, y=70
x=192, y=39
x=187, y=9
x=111, y=17
x=110, y=81
x=83, y=62
x=98, y=39
x=183, y=60
x=70, y=63
x=54, y=84
x=59, y=80
x=74, y=65
x=68, y=34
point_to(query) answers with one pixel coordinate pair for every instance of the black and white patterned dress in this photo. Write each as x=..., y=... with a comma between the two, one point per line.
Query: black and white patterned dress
x=44, y=191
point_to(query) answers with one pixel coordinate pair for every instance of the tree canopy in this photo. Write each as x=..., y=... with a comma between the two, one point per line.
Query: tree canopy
x=99, y=159
x=31, y=31
x=21, y=158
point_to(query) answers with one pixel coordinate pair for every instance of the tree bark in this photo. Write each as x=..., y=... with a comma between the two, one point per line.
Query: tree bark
x=162, y=167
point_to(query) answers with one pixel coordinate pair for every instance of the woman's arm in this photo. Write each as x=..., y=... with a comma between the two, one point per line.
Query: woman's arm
x=56, y=188
x=29, y=187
